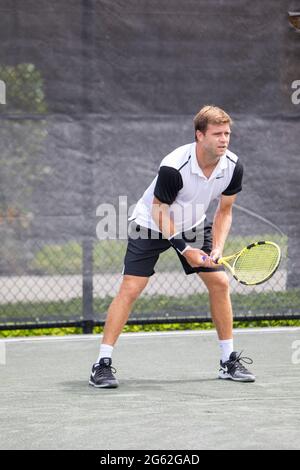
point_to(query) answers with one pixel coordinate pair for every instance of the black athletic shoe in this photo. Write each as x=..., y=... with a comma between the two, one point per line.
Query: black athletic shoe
x=102, y=374
x=234, y=370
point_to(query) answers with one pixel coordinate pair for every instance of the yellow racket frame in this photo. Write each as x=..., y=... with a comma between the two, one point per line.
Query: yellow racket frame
x=225, y=262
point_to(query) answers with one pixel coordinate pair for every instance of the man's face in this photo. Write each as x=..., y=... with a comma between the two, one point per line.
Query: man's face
x=216, y=139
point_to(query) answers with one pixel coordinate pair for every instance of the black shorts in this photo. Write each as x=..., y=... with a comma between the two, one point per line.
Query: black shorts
x=145, y=246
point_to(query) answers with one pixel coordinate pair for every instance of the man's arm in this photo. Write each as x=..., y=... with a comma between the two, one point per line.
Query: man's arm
x=221, y=224
x=161, y=216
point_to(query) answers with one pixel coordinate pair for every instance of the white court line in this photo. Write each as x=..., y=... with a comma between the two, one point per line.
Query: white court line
x=2, y=353
x=242, y=331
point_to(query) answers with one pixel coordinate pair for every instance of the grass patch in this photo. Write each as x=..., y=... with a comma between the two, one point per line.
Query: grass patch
x=264, y=303
x=108, y=255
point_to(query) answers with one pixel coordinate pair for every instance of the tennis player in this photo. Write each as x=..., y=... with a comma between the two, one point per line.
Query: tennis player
x=171, y=214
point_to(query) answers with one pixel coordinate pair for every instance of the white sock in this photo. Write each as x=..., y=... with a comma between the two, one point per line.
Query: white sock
x=105, y=351
x=226, y=347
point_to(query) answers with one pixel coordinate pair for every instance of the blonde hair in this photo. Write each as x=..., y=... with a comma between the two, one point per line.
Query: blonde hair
x=210, y=114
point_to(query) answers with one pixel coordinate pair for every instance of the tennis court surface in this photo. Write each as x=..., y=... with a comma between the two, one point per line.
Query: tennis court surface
x=169, y=396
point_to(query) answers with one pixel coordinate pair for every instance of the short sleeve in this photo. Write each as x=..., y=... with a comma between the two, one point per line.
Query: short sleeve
x=168, y=184
x=235, y=185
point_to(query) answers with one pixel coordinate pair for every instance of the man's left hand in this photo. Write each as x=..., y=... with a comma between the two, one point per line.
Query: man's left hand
x=215, y=254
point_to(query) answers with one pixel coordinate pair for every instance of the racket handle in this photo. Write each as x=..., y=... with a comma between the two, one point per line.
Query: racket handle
x=205, y=257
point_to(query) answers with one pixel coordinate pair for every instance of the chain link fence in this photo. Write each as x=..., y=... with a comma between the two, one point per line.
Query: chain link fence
x=54, y=271
x=62, y=154
x=45, y=285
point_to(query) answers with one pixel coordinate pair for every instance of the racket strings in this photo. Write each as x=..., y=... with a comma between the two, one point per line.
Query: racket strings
x=256, y=264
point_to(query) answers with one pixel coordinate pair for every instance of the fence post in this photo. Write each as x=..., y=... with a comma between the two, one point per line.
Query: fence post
x=87, y=286
x=87, y=40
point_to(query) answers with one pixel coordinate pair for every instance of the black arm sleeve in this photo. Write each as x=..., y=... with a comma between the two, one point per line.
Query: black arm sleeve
x=235, y=185
x=168, y=184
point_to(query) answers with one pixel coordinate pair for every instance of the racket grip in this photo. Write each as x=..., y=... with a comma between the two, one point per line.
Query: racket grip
x=205, y=257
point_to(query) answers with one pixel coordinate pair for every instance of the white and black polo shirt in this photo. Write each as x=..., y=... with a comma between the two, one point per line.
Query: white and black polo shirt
x=181, y=184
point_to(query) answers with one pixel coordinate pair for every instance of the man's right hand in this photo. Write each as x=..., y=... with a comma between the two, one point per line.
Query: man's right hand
x=195, y=258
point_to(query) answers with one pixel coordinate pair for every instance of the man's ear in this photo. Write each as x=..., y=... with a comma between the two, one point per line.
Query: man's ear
x=199, y=136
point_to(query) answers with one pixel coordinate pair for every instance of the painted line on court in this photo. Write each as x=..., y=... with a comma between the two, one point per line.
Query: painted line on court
x=241, y=331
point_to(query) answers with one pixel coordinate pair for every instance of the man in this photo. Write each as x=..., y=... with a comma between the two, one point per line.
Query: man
x=171, y=213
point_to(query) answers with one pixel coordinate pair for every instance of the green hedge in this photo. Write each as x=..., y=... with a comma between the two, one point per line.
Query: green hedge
x=147, y=328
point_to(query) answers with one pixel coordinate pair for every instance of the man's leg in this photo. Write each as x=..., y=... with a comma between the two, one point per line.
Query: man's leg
x=120, y=308
x=231, y=366
x=217, y=284
x=118, y=313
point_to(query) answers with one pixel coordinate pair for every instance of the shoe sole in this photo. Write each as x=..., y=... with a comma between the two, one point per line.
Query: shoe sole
x=228, y=377
x=111, y=385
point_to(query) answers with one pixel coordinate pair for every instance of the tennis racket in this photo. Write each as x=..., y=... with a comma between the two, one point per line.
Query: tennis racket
x=254, y=264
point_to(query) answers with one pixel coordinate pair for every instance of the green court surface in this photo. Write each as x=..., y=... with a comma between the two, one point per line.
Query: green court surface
x=169, y=395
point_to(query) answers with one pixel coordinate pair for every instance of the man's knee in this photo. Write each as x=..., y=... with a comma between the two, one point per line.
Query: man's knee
x=217, y=282
x=221, y=283
x=132, y=287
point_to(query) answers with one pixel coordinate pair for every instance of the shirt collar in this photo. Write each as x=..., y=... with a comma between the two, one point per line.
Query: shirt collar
x=223, y=163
